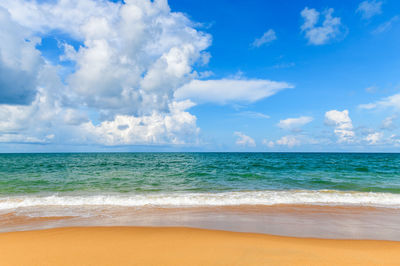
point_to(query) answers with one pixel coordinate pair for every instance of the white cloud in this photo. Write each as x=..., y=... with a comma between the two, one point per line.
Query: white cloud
x=176, y=127
x=253, y=114
x=368, y=9
x=318, y=35
x=342, y=123
x=267, y=37
x=374, y=138
x=289, y=141
x=294, y=124
x=394, y=140
x=244, y=140
x=132, y=58
x=66, y=16
x=135, y=61
x=20, y=62
x=388, y=102
x=75, y=117
x=388, y=123
x=386, y=25
x=268, y=143
x=225, y=91
x=29, y=123
x=129, y=81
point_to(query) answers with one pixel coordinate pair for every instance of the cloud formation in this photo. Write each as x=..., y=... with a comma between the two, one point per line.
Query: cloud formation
x=20, y=62
x=329, y=29
x=175, y=127
x=226, y=91
x=252, y=114
x=388, y=102
x=374, y=138
x=389, y=123
x=132, y=58
x=294, y=124
x=128, y=74
x=267, y=37
x=289, y=141
x=343, y=126
x=386, y=25
x=244, y=140
x=368, y=9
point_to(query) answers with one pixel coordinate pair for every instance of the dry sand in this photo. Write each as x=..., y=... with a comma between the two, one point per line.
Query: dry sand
x=185, y=246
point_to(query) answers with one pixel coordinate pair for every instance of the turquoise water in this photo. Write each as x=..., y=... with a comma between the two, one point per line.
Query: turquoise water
x=198, y=179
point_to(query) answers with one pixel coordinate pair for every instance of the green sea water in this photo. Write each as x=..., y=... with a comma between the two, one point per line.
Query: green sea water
x=198, y=178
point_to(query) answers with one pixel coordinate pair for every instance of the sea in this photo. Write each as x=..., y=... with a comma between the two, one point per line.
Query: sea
x=50, y=189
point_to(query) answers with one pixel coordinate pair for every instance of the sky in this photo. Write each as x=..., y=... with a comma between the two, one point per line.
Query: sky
x=183, y=75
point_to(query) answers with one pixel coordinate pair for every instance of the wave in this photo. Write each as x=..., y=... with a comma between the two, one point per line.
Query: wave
x=304, y=197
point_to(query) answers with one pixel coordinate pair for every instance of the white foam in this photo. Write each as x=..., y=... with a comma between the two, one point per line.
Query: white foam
x=321, y=197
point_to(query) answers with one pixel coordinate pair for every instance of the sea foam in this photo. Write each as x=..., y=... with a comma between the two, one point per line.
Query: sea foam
x=307, y=197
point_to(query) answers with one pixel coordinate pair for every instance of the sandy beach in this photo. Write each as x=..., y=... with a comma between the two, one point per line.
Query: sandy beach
x=185, y=246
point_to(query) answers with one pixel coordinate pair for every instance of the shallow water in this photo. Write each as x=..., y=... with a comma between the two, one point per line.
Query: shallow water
x=125, y=189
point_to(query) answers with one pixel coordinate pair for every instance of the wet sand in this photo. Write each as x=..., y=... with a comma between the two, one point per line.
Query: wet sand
x=333, y=222
x=185, y=246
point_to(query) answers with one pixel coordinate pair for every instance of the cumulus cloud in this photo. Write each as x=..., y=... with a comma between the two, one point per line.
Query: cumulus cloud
x=67, y=16
x=343, y=126
x=330, y=28
x=225, y=91
x=130, y=79
x=294, y=124
x=289, y=141
x=29, y=123
x=132, y=57
x=244, y=140
x=175, y=127
x=267, y=37
x=368, y=9
x=268, y=143
x=133, y=63
x=394, y=140
x=20, y=62
x=374, y=138
x=74, y=117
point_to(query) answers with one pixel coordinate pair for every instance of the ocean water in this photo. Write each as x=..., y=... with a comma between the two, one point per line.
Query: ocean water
x=198, y=179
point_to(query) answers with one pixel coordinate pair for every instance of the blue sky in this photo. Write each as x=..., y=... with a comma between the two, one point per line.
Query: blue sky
x=199, y=76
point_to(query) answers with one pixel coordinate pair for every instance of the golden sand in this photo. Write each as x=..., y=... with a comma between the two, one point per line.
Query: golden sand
x=185, y=246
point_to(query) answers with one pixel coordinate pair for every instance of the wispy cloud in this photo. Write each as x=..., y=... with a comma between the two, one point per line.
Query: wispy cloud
x=252, y=114
x=267, y=37
x=284, y=65
x=388, y=102
x=368, y=9
x=386, y=25
x=225, y=91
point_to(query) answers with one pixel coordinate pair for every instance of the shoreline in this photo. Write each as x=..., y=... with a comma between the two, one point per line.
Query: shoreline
x=185, y=246
x=338, y=222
